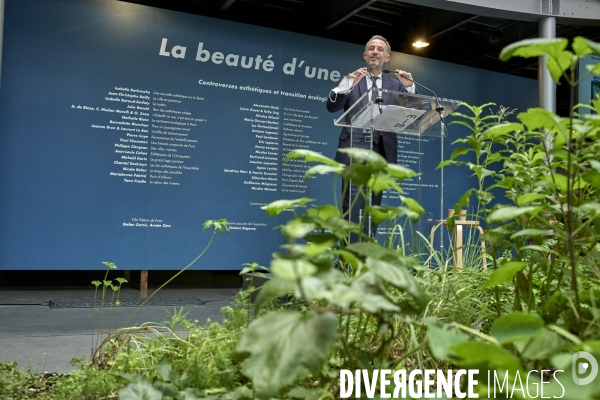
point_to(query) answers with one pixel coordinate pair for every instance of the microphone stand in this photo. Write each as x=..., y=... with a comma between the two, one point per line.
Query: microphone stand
x=379, y=99
x=440, y=110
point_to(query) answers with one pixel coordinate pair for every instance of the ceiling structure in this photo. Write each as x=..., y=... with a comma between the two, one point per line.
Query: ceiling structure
x=460, y=34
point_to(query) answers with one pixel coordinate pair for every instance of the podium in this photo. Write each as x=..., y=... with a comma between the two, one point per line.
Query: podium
x=419, y=120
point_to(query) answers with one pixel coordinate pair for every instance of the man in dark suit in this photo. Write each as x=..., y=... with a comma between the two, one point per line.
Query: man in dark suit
x=350, y=89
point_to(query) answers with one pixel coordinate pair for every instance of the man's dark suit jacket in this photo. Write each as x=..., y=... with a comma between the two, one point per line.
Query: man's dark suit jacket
x=390, y=140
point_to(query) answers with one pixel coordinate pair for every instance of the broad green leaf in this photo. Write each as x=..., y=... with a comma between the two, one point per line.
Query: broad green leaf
x=381, y=214
x=324, y=211
x=323, y=260
x=534, y=247
x=349, y=257
x=359, y=174
x=374, y=303
x=562, y=360
x=399, y=172
x=369, y=249
x=192, y=394
x=480, y=171
x=591, y=208
x=502, y=129
x=166, y=372
x=366, y=156
x=539, y=118
x=476, y=110
x=109, y=265
x=593, y=174
x=399, y=277
x=463, y=201
x=596, y=109
x=516, y=327
x=556, y=66
x=322, y=170
x=559, y=180
x=273, y=289
x=340, y=227
x=538, y=156
x=461, y=115
x=380, y=182
x=532, y=233
x=463, y=123
x=219, y=225
x=594, y=46
x=168, y=390
x=295, y=250
x=300, y=392
x=580, y=46
x=474, y=142
x=558, y=140
x=140, y=390
x=568, y=388
x=447, y=163
x=594, y=69
x=413, y=205
x=292, y=269
x=441, y=339
x=312, y=156
x=534, y=48
x=297, y=228
x=544, y=345
x=595, y=165
x=282, y=345
x=319, y=238
x=364, y=292
x=510, y=213
x=313, y=250
x=480, y=354
x=312, y=287
x=505, y=273
x=592, y=119
x=591, y=346
x=278, y=206
x=459, y=151
x=343, y=296
x=529, y=197
x=596, y=225
x=579, y=184
x=386, y=213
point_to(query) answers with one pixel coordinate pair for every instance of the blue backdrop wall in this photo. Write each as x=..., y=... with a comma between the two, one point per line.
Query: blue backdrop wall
x=124, y=127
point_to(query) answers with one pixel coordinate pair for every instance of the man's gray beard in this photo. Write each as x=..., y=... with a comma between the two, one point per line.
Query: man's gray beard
x=370, y=66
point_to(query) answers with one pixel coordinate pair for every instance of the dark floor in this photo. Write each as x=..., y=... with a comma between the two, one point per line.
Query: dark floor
x=46, y=339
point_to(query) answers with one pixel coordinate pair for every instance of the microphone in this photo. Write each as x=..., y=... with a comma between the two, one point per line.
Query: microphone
x=387, y=71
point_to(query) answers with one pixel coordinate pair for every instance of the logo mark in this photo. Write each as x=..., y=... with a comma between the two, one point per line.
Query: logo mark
x=579, y=368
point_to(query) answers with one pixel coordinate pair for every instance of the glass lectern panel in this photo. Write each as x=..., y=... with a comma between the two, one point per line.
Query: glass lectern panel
x=416, y=121
x=398, y=112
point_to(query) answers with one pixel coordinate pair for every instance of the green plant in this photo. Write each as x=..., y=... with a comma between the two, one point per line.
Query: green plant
x=217, y=226
x=116, y=291
x=253, y=270
x=346, y=317
x=542, y=231
x=178, y=358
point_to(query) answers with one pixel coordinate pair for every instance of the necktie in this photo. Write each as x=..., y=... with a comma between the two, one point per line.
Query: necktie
x=376, y=134
x=374, y=79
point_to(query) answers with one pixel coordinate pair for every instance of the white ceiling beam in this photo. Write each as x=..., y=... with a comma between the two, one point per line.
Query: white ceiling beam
x=574, y=12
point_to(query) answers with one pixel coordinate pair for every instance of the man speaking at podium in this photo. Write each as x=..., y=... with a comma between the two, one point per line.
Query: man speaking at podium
x=350, y=89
